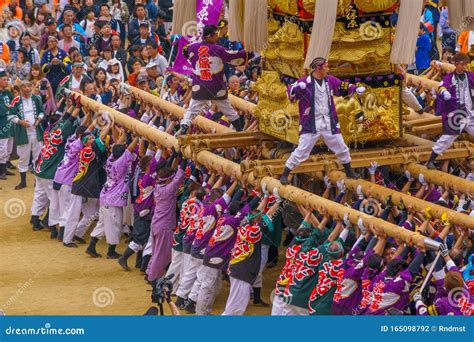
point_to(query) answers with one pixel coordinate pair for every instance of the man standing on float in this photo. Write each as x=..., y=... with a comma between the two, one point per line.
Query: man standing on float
x=318, y=117
x=209, y=82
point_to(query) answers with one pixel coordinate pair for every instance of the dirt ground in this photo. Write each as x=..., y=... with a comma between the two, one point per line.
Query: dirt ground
x=41, y=277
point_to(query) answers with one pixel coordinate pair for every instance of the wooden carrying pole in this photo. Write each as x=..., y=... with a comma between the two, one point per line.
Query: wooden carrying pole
x=382, y=193
x=201, y=122
x=291, y=193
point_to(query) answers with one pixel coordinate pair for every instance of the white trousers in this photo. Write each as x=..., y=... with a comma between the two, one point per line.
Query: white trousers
x=211, y=283
x=147, y=250
x=32, y=147
x=238, y=299
x=90, y=212
x=4, y=155
x=335, y=142
x=410, y=99
x=445, y=141
x=64, y=196
x=263, y=261
x=41, y=198
x=110, y=224
x=188, y=284
x=176, y=267
x=278, y=306
x=197, y=106
x=291, y=310
x=10, y=146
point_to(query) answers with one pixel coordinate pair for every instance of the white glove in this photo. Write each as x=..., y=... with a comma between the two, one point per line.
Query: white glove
x=265, y=190
x=360, y=90
x=408, y=175
x=373, y=167
x=346, y=221
x=422, y=180
x=444, y=250
x=359, y=192
x=302, y=85
x=361, y=226
x=327, y=182
x=341, y=185
x=417, y=297
x=446, y=95
x=277, y=195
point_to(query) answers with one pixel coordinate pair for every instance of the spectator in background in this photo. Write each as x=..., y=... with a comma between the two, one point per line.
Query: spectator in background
x=156, y=57
x=37, y=29
x=423, y=50
x=139, y=17
x=51, y=30
x=54, y=63
x=448, y=35
x=67, y=42
x=32, y=53
x=20, y=68
x=88, y=23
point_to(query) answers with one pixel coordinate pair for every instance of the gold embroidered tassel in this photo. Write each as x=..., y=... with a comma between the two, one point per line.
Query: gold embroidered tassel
x=323, y=30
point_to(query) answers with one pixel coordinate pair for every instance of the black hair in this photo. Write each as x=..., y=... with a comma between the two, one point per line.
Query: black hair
x=165, y=172
x=118, y=150
x=234, y=207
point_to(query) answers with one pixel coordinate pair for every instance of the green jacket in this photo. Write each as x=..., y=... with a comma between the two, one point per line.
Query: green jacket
x=5, y=127
x=53, y=149
x=16, y=111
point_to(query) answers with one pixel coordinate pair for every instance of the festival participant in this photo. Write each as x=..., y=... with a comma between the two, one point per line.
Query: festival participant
x=218, y=251
x=144, y=181
x=86, y=186
x=208, y=218
x=164, y=218
x=114, y=195
x=209, y=83
x=52, y=153
x=244, y=265
x=447, y=302
x=26, y=111
x=302, y=234
x=318, y=117
x=187, y=215
x=455, y=106
x=65, y=173
x=6, y=98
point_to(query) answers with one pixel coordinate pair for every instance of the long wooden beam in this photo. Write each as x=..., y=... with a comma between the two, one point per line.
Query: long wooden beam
x=382, y=193
x=201, y=122
x=296, y=195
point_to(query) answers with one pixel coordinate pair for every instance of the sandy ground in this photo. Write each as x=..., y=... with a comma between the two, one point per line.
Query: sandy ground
x=41, y=277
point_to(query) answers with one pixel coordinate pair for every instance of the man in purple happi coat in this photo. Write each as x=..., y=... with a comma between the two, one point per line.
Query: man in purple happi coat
x=209, y=81
x=164, y=219
x=318, y=117
x=452, y=294
x=455, y=104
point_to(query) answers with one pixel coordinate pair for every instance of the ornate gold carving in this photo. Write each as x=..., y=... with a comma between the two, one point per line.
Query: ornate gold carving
x=371, y=117
x=286, y=6
x=276, y=115
x=371, y=6
x=310, y=5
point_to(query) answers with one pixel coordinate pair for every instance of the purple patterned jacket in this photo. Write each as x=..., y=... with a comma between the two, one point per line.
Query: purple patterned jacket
x=306, y=101
x=450, y=110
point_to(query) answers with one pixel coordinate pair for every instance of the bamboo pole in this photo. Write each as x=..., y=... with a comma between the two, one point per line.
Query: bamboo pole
x=422, y=81
x=381, y=193
x=296, y=195
x=201, y=122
